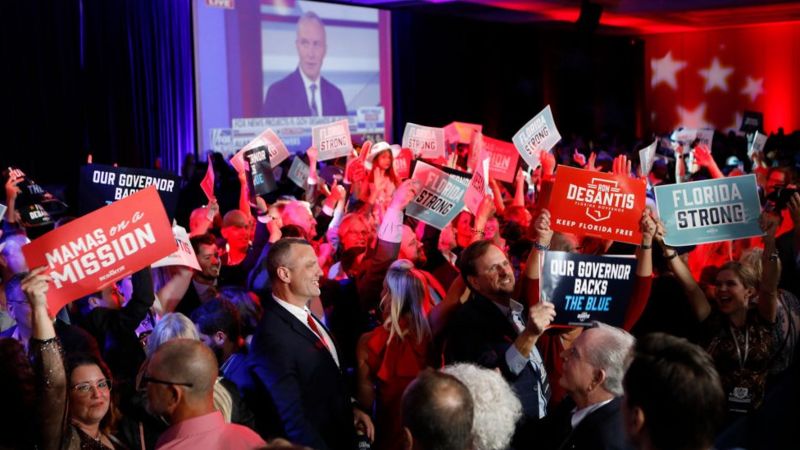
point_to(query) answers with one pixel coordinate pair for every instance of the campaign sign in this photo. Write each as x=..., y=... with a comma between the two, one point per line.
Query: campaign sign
x=237, y=161
x=277, y=150
x=584, y=288
x=427, y=142
x=478, y=185
x=298, y=172
x=101, y=185
x=597, y=204
x=503, y=159
x=705, y=137
x=759, y=140
x=461, y=132
x=647, y=156
x=402, y=164
x=207, y=183
x=710, y=210
x=752, y=121
x=332, y=140
x=261, y=177
x=184, y=255
x=684, y=136
x=539, y=133
x=440, y=198
x=95, y=250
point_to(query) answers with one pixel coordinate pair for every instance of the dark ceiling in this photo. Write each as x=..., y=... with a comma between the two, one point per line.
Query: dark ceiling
x=641, y=16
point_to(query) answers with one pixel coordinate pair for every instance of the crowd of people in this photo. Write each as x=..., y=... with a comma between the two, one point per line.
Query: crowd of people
x=324, y=316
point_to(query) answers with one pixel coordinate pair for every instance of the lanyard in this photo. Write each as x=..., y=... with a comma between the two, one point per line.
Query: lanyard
x=742, y=360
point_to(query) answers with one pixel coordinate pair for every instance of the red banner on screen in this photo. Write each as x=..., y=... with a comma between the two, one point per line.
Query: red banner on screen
x=597, y=204
x=110, y=243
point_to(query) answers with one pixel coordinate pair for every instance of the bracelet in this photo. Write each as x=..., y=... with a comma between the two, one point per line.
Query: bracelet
x=540, y=247
x=646, y=247
x=672, y=256
x=474, y=230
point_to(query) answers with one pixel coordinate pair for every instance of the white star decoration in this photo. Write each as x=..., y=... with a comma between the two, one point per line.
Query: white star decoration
x=665, y=69
x=716, y=76
x=754, y=88
x=693, y=118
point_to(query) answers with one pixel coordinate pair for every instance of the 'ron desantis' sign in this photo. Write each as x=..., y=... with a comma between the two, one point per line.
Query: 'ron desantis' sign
x=332, y=140
x=101, y=185
x=597, y=204
x=503, y=159
x=440, y=197
x=539, y=133
x=710, y=210
x=427, y=142
x=584, y=288
x=101, y=247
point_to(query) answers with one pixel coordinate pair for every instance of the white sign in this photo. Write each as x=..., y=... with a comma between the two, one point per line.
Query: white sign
x=647, y=156
x=184, y=255
x=427, y=142
x=332, y=140
x=540, y=133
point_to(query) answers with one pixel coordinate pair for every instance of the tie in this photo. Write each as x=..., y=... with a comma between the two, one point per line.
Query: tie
x=313, y=324
x=313, y=103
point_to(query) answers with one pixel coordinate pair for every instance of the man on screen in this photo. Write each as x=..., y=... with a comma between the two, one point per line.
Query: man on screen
x=304, y=92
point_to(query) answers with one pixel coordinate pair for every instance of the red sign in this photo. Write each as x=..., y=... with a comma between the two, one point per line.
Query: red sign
x=101, y=247
x=597, y=204
x=503, y=159
x=208, y=181
x=402, y=164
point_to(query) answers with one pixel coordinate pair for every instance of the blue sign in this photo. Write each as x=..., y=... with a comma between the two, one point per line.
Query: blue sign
x=585, y=288
x=710, y=210
x=440, y=197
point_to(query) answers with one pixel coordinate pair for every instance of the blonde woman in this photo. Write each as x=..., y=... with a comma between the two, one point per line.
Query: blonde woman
x=391, y=356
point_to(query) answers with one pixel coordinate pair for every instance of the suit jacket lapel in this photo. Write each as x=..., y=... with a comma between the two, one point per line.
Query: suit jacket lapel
x=494, y=316
x=294, y=323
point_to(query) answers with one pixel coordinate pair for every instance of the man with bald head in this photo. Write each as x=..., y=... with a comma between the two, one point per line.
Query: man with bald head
x=239, y=254
x=305, y=92
x=180, y=381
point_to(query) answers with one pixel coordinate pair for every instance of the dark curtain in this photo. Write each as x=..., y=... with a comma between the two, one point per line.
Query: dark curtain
x=108, y=77
x=500, y=74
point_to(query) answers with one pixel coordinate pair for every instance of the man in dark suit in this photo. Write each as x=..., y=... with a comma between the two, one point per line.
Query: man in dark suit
x=593, y=368
x=490, y=329
x=304, y=92
x=296, y=360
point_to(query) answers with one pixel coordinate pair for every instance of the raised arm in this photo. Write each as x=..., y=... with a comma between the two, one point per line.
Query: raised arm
x=702, y=155
x=48, y=365
x=644, y=271
x=697, y=298
x=541, y=243
x=768, y=289
x=12, y=190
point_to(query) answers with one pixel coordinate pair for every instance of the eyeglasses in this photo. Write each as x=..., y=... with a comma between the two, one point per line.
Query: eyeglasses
x=146, y=379
x=100, y=385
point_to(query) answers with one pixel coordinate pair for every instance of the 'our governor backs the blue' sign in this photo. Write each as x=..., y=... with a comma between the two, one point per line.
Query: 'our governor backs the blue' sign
x=585, y=288
x=710, y=210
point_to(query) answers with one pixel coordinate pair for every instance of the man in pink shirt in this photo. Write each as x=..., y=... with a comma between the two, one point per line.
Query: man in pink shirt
x=180, y=388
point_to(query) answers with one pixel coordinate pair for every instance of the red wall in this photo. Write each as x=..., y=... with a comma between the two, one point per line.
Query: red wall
x=767, y=52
